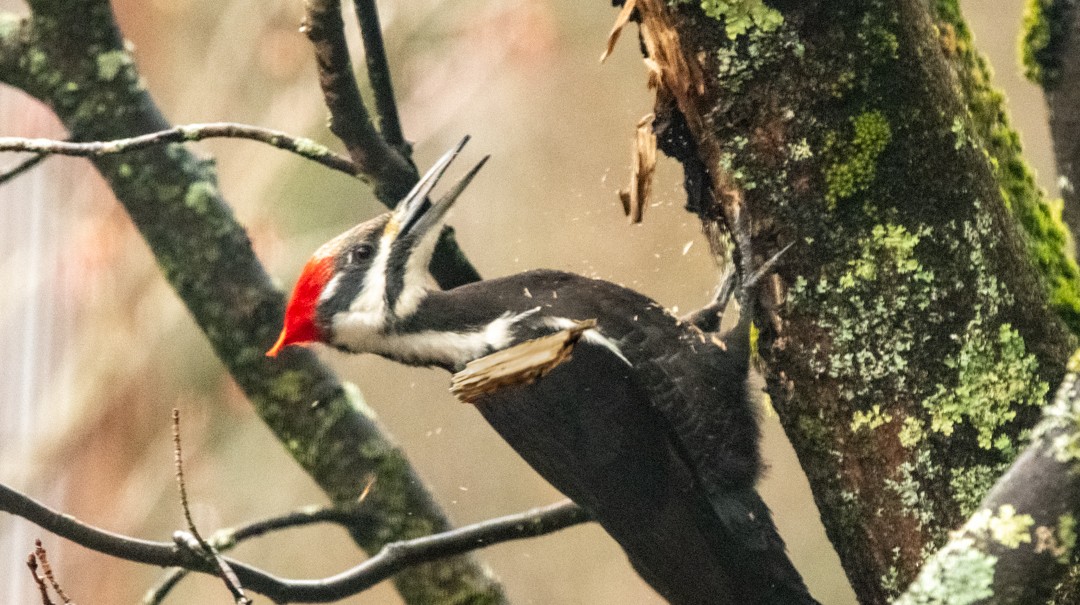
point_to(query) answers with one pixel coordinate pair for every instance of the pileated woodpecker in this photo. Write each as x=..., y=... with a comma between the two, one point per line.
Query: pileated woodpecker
x=649, y=426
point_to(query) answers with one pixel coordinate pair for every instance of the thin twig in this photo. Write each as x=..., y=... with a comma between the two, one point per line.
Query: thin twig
x=393, y=558
x=301, y=146
x=43, y=558
x=226, y=572
x=21, y=167
x=367, y=14
x=32, y=563
x=391, y=173
x=225, y=540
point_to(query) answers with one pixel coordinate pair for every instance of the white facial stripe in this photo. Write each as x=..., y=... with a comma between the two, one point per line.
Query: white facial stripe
x=370, y=302
x=592, y=336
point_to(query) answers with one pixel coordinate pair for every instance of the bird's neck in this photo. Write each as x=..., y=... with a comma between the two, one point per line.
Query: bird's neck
x=428, y=327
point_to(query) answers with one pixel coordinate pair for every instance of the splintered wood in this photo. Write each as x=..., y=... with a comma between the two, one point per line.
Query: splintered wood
x=641, y=171
x=620, y=22
x=674, y=79
x=520, y=364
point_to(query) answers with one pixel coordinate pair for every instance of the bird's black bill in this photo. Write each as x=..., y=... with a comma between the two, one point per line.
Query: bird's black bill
x=416, y=203
x=417, y=214
x=434, y=213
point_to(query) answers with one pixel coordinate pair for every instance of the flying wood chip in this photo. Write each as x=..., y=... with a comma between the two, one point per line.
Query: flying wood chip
x=520, y=364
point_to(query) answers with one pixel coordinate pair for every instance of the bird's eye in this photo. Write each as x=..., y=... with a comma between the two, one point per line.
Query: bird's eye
x=358, y=253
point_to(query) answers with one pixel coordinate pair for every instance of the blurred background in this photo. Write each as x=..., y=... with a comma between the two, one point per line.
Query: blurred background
x=98, y=348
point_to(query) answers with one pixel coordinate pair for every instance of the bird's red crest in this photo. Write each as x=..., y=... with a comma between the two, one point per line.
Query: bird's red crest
x=300, y=325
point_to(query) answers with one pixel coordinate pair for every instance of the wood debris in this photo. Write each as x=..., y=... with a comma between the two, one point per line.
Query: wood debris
x=676, y=81
x=643, y=165
x=620, y=23
x=519, y=364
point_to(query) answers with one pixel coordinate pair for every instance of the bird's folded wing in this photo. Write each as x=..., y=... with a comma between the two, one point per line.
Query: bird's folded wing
x=519, y=364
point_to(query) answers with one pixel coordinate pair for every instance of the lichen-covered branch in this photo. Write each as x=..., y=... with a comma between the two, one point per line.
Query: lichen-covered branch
x=391, y=559
x=1019, y=543
x=911, y=335
x=1050, y=49
x=70, y=55
x=301, y=146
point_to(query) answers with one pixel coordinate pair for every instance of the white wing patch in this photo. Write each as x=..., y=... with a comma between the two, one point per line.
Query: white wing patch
x=592, y=336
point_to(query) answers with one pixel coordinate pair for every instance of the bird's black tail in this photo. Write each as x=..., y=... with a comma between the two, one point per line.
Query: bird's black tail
x=757, y=554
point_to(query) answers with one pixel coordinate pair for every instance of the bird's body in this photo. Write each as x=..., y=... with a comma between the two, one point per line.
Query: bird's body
x=648, y=426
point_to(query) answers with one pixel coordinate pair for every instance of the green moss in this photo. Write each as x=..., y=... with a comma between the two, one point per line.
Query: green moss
x=890, y=581
x=994, y=375
x=200, y=196
x=110, y=64
x=1060, y=425
x=740, y=16
x=870, y=419
x=908, y=487
x=289, y=386
x=1043, y=35
x=960, y=574
x=310, y=148
x=855, y=168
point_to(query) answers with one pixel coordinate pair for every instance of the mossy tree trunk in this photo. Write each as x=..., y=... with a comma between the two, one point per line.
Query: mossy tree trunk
x=913, y=333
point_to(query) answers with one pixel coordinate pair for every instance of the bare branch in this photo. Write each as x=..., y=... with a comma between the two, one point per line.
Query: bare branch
x=393, y=558
x=21, y=167
x=43, y=559
x=301, y=146
x=225, y=539
x=367, y=14
x=392, y=174
x=204, y=547
x=32, y=563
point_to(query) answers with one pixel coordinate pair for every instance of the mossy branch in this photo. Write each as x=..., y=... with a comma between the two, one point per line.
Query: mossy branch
x=70, y=55
x=1050, y=50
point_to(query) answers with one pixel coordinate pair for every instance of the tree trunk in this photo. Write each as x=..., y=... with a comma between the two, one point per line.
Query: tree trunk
x=912, y=332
